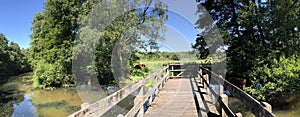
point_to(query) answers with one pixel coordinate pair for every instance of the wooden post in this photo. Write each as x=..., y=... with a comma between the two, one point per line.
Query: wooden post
x=139, y=98
x=172, y=68
x=221, y=89
x=267, y=106
x=224, y=98
x=239, y=114
x=151, y=96
x=221, y=86
x=207, y=80
x=168, y=72
x=141, y=112
x=213, y=99
x=85, y=105
x=200, y=70
x=161, y=85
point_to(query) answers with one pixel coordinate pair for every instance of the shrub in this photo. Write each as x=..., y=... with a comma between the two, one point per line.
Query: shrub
x=278, y=79
x=47, y=75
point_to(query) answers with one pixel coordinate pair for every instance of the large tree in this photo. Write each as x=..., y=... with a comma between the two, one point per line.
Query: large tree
x=118, y=28
x=57, y=27
x=257, y=33
x=54, y=30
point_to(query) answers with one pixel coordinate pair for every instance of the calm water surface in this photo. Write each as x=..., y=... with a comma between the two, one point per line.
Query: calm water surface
x=18, y=98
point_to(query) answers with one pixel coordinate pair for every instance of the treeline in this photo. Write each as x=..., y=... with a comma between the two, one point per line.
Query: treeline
x=158, y=55
x=64, y=30
x=13, y=60
x=263, y=43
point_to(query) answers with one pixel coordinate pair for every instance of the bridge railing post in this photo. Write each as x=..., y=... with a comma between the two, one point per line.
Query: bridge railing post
x=206, y=78
x=137, y=100
x=211, y=95
x=221, y=86
x=172, y=68
x=224, y=99
x=267, y=106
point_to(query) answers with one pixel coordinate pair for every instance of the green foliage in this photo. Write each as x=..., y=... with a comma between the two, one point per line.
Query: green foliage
x=262, y=39
x=118, y=40
x=56, y=27
x=140, y=72
x=201, y=47
x=174, y=57
x=254, y=29
x=12, y=59
x=54, y=30
x=50, y=75
x=278, y=79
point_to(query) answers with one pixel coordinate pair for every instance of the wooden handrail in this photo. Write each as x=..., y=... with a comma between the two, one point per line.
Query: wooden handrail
x=222, y=104
x=102, y=106
x=257, y=108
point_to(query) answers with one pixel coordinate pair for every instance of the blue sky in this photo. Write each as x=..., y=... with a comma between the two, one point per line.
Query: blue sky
x=16, y=18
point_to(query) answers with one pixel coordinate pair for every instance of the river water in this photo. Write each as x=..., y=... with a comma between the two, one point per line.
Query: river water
x=18, y=98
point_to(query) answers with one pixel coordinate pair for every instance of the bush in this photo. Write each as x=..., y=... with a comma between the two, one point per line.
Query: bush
x=278, y=79
x=47, y=75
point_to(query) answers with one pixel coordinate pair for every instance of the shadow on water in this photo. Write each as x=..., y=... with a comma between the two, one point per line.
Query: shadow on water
x=9, y=96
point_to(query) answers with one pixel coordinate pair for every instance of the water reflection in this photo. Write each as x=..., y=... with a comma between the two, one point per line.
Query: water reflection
x=25, y=108
x=18, y=98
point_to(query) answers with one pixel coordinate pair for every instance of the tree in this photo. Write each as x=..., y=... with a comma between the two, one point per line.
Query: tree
x=119, y=28
x=277, y=81
x=256, y=34
x=4, y=59
x=57, y=27
x=251, y=30
x=54, y=30
x=12, y=59
x=201, y=47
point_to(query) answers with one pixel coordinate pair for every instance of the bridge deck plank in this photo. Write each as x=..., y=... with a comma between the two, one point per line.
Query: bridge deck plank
x=177, y=99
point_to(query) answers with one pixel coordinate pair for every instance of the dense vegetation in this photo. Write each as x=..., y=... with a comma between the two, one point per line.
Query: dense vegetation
x=12, y=59
x=166, y=56
x=263, y=43
x=55, y=30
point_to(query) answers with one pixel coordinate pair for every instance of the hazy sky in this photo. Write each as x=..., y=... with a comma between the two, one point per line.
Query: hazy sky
x=16, y=18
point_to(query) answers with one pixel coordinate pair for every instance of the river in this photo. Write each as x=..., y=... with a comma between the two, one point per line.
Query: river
x=18, y=98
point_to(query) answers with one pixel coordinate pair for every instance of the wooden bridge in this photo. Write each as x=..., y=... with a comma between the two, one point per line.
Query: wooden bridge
x=177, y=90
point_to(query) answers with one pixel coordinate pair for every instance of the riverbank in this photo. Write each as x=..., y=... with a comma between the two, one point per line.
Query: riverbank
x=291, y=109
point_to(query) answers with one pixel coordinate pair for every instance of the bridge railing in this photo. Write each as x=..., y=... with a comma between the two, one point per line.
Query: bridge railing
x=100, y=107
x=259, y=109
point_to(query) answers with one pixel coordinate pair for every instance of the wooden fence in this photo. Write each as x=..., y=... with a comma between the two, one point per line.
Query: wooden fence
x=102, y=106
x=259, y=109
